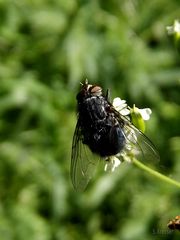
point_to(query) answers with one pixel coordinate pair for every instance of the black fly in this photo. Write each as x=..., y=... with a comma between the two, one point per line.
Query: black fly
x=102, y=131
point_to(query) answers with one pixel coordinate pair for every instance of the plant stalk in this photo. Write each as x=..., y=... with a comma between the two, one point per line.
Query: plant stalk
x=155, y=173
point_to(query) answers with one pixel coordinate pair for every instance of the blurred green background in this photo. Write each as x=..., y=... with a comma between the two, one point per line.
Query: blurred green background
x=46, y=49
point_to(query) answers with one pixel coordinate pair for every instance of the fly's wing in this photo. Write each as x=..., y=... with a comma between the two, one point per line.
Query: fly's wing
x=138, y=144
x=83, y=161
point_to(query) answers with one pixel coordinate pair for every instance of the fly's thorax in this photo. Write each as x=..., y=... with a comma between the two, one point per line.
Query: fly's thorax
x=93, y=109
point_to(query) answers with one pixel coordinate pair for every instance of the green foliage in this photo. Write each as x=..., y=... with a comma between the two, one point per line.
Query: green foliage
x=46, y=49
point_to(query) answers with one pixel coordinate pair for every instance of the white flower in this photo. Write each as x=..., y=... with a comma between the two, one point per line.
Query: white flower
x=174, y=29
x=111, y=163
x=145, y=113
x=121, y=106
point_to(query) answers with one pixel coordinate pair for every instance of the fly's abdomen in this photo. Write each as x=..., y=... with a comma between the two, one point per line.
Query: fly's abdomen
x=107, y=141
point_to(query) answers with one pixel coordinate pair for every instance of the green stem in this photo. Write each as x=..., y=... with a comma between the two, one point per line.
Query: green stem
x=155, y=173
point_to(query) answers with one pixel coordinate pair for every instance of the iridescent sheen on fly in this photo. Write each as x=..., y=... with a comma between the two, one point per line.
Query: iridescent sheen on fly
x=102, y=131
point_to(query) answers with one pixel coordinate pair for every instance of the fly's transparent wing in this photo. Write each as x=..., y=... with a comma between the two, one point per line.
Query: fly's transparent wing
x=137, y=144
x=83, y=161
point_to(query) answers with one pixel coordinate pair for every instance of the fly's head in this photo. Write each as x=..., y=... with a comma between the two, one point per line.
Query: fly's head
x=88, y=91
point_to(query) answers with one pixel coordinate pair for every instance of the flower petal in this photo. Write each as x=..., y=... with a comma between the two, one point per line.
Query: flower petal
x=111, y=163
x=174, y=29
x=145, y=113
x=121, y=106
